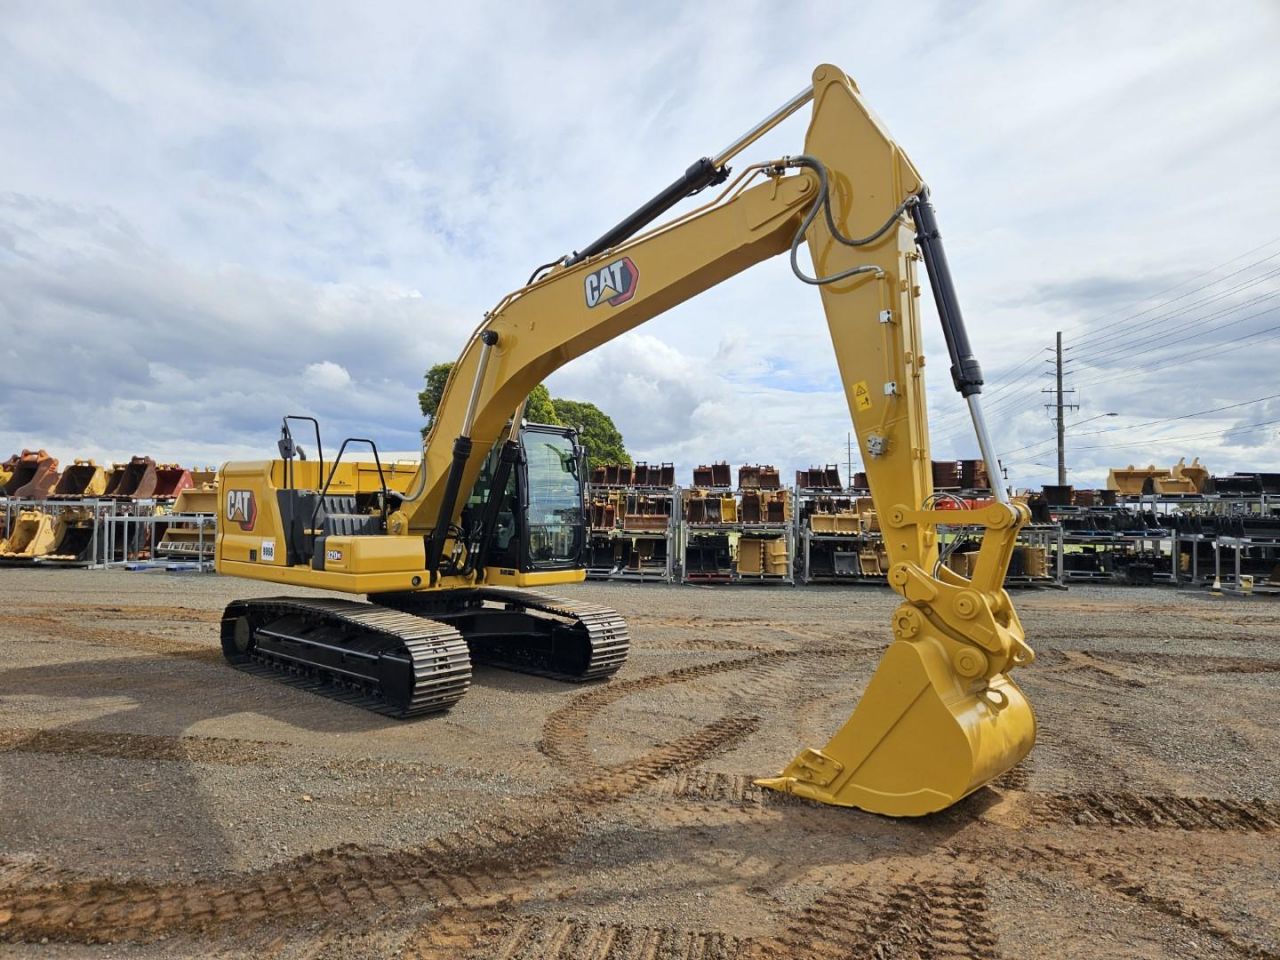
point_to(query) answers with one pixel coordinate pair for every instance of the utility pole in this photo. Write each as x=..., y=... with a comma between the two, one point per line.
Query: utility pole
x=848, y=475
x=1059, y=420
x=1062, y=431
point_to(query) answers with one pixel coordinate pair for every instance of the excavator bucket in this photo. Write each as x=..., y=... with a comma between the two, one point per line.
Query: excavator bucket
x=32, y=536
x=35, y=474
x=135, y=480
x=84, y=478
x=73, y=537
x=6, y=471
x=919, y=740
x=171, y=480
x=1134, y=481
x=184, y=539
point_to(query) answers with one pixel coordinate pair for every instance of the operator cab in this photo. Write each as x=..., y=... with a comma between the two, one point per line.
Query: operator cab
x=541, y=523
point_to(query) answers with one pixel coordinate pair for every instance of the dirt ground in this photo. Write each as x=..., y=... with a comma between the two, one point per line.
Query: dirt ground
x=156, y=803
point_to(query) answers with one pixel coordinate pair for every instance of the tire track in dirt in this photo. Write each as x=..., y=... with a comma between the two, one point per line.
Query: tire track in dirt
x=475, y=862
x=565, y=731
x=390, y=774
x=1018, y=778
x=1186, y=662
x=137, y=746
x=59, y=629
x=1126, y=885
x=1058, y=664
x=1085, y=809
x=1160, y=812
x=925, y=916
x=1103, y=872
x=57, y=611
x=568, y=938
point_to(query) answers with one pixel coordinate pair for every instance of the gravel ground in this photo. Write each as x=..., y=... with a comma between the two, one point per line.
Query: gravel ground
x=157, y=803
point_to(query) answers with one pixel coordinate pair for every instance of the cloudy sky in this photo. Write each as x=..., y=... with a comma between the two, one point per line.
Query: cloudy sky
x=214, y=214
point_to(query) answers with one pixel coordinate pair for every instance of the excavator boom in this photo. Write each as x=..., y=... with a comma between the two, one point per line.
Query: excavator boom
x=941, y=715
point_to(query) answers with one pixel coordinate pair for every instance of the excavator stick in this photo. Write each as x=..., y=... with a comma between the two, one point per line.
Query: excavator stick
x=940, y=717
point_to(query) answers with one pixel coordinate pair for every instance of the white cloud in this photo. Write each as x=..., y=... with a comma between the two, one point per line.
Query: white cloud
x=327, y=375
x=217, y=215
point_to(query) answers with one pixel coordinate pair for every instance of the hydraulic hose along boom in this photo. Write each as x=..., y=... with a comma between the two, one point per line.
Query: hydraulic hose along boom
x=941, y=716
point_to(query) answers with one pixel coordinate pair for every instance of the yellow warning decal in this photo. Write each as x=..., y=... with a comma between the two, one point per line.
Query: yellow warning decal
x=861, y=395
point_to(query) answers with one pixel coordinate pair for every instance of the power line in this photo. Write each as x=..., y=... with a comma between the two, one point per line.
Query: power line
x=953, y=420
x=1205, y=273
x=1224, y=347
x=1149, y=423
x=1121, y=331
x=1164, y=332
x=952, y=417
x=1243, y=428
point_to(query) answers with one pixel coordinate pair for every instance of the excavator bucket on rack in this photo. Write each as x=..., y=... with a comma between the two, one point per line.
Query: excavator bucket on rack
x=73, y=537
x=171, y=480
x=6, y=471
x=1183, y=479
x=84, y=478
x=32, y=536
x=1195, y=472
x=34, y=476
x=135, y=480
x=185, y=539
x=1134, y=481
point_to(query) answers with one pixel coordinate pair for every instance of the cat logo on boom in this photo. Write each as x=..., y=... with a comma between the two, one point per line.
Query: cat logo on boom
x=242, y=508
x=614, y=283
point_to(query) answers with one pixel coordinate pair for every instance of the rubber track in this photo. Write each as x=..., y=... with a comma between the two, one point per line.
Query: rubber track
x=439, y=657
x=606, y=629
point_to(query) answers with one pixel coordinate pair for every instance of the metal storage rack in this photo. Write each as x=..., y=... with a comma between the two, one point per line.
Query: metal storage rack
x=628, y=548
x=100, y=510
x=723, y=540
x=1173, y=538
x=843, y=549
x=121, y=533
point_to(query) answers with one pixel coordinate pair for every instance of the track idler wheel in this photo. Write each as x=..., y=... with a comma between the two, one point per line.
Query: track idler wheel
x=237, y=637
x=921, y=738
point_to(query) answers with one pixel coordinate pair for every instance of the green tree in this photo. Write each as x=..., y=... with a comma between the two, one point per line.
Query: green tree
x=540, y=408
x=596, y=430
x=429, y=397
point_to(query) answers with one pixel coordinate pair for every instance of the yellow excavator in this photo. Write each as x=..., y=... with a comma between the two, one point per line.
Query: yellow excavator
x=446, y=552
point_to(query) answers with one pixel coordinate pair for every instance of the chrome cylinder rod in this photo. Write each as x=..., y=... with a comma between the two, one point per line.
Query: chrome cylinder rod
x=487, y=341
x=986, y=448
x=763, y=127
